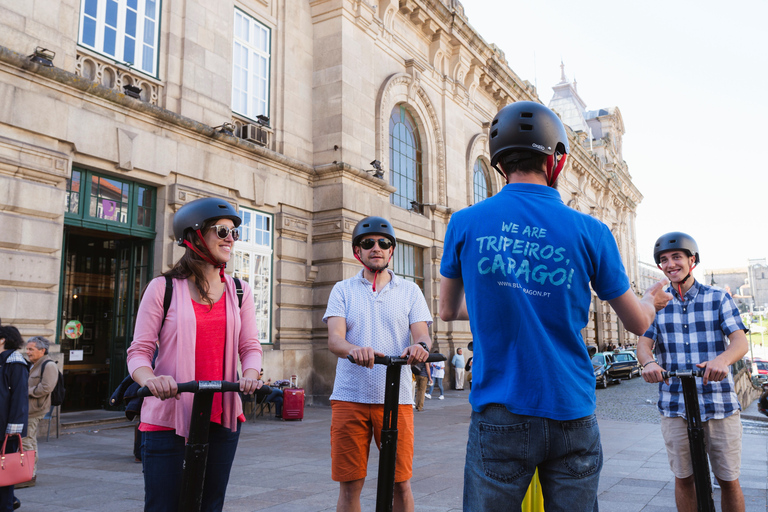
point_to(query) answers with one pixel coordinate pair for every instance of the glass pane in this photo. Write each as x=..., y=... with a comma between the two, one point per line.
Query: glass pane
x=129, y=50
x=109, y=40
x=149, y=32
x=91, y=7
x=130, y=22
x=150, y=9
x=111, y=15
x=89, y=31
x=73, y=193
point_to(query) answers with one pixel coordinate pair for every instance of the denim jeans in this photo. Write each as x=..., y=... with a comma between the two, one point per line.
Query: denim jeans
x=163, y=458
x=439, y=382
x=504, y=450
x=276, y=396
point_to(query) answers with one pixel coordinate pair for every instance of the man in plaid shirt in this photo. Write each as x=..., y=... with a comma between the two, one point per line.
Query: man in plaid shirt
x=691, y=331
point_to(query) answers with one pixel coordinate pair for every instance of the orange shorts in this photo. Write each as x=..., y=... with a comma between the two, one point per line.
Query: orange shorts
x=351, y=427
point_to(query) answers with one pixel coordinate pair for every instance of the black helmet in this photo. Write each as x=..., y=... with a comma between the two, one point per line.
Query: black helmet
x=193, y=214
x=676, y=240
x=527, y=125
x=370, y=225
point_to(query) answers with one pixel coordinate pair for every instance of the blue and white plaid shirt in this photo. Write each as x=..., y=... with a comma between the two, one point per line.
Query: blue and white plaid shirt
x=691, y=332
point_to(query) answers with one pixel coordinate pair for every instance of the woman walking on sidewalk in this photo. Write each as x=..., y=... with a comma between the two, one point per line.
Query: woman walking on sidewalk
x=438, y=373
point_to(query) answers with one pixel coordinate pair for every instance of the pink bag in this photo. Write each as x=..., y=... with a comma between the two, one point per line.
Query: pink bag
x=16, y=468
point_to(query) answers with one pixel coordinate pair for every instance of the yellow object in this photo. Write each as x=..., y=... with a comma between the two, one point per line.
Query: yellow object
x=534, y=499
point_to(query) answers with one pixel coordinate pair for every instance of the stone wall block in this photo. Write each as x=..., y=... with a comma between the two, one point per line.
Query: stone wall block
x=30, y=307
x=30, y=233
x=28, y=269
x=30, y=197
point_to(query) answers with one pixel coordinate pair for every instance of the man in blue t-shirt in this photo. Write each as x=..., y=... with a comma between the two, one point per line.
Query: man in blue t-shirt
x=519, y=266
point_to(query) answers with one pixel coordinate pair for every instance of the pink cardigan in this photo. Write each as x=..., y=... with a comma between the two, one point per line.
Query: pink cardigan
x=177, y=349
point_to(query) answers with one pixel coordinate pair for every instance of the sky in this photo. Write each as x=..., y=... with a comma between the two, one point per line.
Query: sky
x=691, y=81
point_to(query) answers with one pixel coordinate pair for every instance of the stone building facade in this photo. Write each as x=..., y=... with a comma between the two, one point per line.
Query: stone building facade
x=114, y=114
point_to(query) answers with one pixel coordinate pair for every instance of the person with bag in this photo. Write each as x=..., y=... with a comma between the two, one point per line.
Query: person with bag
x=204, y=335
x=14, y=406
x=42, y=379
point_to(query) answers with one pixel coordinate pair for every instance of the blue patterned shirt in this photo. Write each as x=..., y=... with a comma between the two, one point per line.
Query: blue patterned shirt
x=690, y=332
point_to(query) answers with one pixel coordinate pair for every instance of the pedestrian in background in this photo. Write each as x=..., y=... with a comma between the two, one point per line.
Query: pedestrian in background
x=438, y=373
x=421, y=375
x=14, y=405
x=42, y=379
x=690, y=333
x=458, y=368
x=525, y=261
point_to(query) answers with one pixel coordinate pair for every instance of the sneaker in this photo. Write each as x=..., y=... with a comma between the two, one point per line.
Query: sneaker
x=427, y=395
x=441, y=397
x=29, y=483
x=16, y=503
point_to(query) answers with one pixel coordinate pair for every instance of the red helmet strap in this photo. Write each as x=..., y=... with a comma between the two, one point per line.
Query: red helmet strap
x=209, y=259
x=553, y=174
x=374, y=272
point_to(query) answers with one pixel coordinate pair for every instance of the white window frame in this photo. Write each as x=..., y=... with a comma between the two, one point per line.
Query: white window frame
x=255, y=276
x=251, y=66
x=142, y=21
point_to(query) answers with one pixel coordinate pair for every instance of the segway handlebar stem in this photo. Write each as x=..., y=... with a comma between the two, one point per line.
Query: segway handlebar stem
x=397, y=360
x=195, y=386
x=699, y=372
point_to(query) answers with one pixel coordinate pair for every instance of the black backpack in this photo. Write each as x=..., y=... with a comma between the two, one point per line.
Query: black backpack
x=57, y=395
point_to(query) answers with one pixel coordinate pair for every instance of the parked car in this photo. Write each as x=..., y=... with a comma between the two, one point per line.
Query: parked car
x=601, y=362
x=625, y=364
x=762, y=369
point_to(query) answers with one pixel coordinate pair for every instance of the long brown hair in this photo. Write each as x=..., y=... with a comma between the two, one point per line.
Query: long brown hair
x=192, y=265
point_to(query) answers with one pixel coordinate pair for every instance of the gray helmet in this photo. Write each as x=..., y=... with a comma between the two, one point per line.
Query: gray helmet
x=676, y=240
x=370, y=225
x=194, y=214
x=529, y=126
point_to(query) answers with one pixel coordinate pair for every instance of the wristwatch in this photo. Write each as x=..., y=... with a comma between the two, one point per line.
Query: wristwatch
x=424, y=345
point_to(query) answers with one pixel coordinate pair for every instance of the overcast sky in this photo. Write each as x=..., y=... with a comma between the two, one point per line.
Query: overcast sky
x=691, y=82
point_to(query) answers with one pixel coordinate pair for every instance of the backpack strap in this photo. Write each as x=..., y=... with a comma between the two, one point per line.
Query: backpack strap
x=239, y=287
x=167, y=298
x=42, y=369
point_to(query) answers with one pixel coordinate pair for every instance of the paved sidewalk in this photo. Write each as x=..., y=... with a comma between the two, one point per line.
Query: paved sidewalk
x=285, y=466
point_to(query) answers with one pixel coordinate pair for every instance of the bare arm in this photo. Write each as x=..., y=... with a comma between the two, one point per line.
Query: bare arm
x=416, y=353
x=453, y=304
x=338, y=344
x=638, y=314
x=652, y=370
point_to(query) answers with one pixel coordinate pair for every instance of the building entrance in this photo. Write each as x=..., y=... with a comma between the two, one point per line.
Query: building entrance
x=103, y=276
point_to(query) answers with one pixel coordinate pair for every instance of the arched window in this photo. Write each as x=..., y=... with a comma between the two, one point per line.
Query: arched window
x=482, y=189
x=404, y=158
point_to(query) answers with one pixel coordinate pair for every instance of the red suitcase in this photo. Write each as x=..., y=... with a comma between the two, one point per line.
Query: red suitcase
x=293, y=404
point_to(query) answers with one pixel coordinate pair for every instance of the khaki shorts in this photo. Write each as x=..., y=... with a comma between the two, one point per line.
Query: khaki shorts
x=352, y=425
x=723, y=440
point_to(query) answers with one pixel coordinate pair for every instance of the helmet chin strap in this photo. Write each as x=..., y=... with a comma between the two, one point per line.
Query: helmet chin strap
x=681, y=283
x=553, y=174
x=209, y=259
x=374, y=272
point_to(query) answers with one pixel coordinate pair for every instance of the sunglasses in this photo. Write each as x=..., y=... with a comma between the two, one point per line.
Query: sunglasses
x=223, y=232
x=368, y=243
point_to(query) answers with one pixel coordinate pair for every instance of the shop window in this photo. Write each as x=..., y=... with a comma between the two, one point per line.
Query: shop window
x=250, y=67
x=408, y=263
x=125, y=30
x=106, y=203
x=253, y=264
x=404, y=158
x=481, y=187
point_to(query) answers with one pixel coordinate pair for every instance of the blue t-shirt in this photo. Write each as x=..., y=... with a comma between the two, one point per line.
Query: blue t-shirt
x=527, y=261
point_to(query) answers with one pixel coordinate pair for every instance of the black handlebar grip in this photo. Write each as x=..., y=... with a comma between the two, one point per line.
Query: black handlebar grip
x=197, y=386
x=392, y=360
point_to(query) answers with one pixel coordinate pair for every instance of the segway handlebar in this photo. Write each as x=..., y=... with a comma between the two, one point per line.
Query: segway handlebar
x=397, y=360
x=699, y=372
x=214, y=386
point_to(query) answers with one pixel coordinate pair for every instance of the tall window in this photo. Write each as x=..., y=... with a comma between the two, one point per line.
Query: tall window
x=481, y=188
x=250, y=72
x=404, y=158
x=408, y=263
x=253, y=264
x=125, y=30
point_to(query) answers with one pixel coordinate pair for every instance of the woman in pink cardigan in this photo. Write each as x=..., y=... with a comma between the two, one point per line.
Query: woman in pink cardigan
x=202, y=337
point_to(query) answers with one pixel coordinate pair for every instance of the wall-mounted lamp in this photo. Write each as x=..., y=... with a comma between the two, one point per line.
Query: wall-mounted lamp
x=263, y=120
x=377, y=170
x=226, y=129
x=132, y=91
x=418, y=207
x=43, y=56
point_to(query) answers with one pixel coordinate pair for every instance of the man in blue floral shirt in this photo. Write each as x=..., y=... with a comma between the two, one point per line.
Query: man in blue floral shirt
x=691, y=332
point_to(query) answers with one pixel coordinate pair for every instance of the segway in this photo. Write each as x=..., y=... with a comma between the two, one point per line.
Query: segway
x=196, y=449
x=701, y=479
x=385, y=489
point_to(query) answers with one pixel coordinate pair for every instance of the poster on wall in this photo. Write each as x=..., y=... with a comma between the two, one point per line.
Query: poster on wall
x=73, y=329
x=75, y=355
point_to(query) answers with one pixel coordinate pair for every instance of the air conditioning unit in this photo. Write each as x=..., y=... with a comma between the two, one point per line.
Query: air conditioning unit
x=255, y=133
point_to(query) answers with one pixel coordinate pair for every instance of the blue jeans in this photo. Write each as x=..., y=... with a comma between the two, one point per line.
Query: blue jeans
x=504, y=450
x=163, y=458
x=439, y=382
x=276, y=396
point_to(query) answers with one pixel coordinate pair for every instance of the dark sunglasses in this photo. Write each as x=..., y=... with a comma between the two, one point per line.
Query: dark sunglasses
x=223, y=232
x=368, y=243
